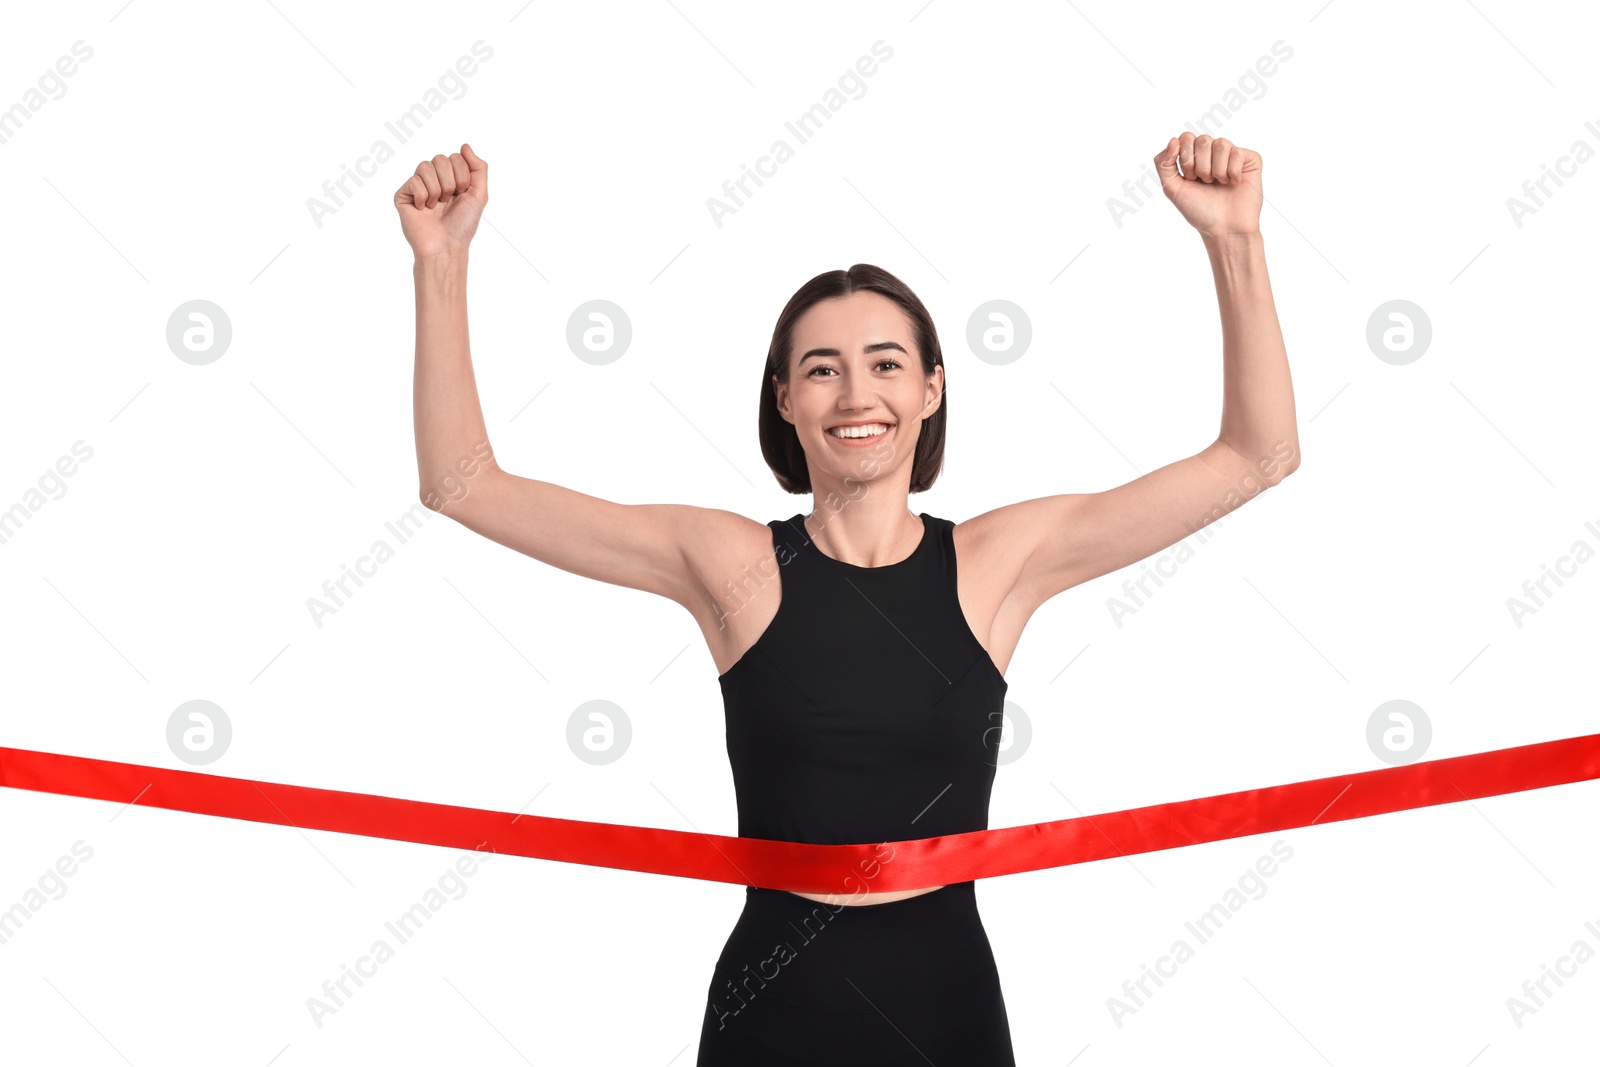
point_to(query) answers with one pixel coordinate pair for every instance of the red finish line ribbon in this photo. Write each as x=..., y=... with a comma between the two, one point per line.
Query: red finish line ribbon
x=840, y=869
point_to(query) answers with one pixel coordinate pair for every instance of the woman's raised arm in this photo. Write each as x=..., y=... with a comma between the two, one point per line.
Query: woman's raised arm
x=642, y=546
x=1038, y=548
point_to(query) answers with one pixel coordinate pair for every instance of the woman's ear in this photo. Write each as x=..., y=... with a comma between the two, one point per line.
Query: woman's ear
x=935, y=394
x=780, y=393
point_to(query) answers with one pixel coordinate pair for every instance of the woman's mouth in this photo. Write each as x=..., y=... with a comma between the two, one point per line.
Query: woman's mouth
x=858, y=436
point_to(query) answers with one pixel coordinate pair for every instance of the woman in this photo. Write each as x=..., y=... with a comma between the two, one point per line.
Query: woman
x=862, y=671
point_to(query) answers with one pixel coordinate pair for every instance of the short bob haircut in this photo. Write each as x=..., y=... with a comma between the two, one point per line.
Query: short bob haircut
x=780, y=444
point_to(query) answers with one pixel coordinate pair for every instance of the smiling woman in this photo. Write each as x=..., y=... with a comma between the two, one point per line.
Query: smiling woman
x=899, y=361
x=863, y=676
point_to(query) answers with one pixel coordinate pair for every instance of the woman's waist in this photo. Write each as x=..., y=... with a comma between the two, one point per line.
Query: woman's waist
x=954, y=896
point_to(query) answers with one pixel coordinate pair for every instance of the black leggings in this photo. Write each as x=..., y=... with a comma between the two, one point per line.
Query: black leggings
x=910, y=981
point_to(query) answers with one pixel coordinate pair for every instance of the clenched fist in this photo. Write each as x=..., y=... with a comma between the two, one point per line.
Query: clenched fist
x=1219, y=189
x=440, y=204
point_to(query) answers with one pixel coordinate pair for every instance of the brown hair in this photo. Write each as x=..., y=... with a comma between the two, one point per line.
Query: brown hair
x=780, y=444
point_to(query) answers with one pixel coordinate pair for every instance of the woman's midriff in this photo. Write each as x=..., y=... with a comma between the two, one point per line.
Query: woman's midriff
x=865, y=898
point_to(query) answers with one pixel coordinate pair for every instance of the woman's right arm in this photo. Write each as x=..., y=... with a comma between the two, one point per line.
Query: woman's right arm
x=641, y=546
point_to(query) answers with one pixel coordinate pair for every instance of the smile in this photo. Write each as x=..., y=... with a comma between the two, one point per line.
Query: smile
x=870, y=430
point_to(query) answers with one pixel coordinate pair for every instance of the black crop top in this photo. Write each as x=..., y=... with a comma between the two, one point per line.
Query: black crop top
x=867, y=710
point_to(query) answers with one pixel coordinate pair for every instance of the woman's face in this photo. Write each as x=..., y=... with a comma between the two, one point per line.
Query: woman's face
x=855, y=362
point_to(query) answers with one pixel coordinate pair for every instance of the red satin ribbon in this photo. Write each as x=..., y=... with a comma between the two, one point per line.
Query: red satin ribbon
x=841, y=869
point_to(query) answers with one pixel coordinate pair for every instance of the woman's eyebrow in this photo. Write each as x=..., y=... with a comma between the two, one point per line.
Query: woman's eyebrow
x=868, y=350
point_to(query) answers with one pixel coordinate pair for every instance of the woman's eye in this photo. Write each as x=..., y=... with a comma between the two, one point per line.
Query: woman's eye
x=891, y=362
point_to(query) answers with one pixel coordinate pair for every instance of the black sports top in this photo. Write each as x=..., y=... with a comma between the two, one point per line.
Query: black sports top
x=867, y=711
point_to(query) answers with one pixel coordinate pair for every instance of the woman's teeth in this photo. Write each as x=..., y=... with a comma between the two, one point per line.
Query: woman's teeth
x=872, y=430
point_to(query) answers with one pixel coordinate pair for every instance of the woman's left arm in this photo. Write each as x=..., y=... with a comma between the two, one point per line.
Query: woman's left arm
x=1052, y=543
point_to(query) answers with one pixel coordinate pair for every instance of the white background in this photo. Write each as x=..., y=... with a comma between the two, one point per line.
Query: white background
x=177, y=562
